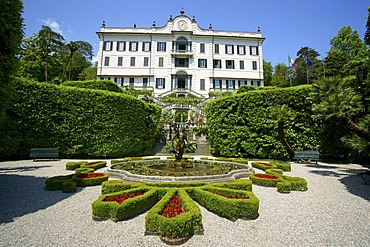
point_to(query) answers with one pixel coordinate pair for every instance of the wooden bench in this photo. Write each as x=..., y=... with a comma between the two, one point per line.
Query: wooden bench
x=44, y=153
x=312, y=155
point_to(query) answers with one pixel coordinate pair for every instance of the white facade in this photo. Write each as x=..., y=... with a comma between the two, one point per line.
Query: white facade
x=180, y=56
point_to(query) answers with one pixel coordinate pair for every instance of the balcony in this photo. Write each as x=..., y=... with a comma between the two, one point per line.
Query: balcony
x=186, y=53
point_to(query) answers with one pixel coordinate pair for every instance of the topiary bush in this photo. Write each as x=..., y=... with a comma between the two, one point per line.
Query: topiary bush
x=95, y=165
x=69, y=186
x=56, y=183
x=90, y=179
x=284, y=187
x=263, y=165
x=265, y=179
x=79, y=171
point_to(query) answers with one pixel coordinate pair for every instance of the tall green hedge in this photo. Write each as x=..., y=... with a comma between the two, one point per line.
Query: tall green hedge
x=241, y=125
x=100, y=85
x=81, y=122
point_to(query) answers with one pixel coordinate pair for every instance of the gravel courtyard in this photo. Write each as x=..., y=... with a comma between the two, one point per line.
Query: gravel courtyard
x=335, y=211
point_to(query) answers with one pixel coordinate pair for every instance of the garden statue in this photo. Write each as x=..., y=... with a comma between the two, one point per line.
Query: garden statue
x=178, y=144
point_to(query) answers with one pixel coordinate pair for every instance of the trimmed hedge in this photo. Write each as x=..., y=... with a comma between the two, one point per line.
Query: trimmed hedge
x=99, y=85
x=74, y=165
x=95, y=165
x=273, y=178
x=56, y=183
x=241, y=125
x=177, y=227
x=81, y=122
x=238, y=184
x=277, y=172
x=229, y=208
x=112, y=186
x=263, y=165
x=84, y=171
x=131, y=207
x=283, y=166
x=84, y=182
x=266, y=180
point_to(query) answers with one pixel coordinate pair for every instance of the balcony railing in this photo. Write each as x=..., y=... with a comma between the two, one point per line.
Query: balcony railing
x=182, y=52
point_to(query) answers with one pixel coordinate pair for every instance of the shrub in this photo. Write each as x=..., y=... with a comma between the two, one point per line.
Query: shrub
x=238, y=184
x=296, y=183
x=56, y=183
x=283, y=166
x=177, y=227
x=94, y=165
x=69, y=186
x=112, y=186
x=276, y=172
x=225, y=207
x=263, y=166
x=99, y=85
x=265, y=179
x=104, y=209
x=90, y=179
x=74, y=165
x=79, y=171
x=81, y=122
x=284, y=187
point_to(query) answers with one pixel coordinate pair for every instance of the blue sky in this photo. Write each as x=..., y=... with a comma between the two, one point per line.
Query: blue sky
x=287, y=25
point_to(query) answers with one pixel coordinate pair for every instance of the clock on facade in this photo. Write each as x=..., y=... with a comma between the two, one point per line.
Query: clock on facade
x=182, y=25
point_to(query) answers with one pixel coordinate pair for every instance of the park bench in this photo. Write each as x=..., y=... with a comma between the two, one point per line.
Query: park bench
x=44, y=153
x=312, y=155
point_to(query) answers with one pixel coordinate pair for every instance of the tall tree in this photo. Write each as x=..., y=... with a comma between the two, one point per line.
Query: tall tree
x=367, y=33
x=11, y=33
x=281, y=75
x=73, y=47
x=267, y=73
x=307, y=73
x=349, y=41
x=50, y=44
x=88, y=73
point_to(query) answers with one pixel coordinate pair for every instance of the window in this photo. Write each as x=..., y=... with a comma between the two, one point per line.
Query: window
x=133, y=46
x=106, y=61
x=181, y=62
x=132, y=82
x=202, y=84
x=160, y=64
x=255, y=83
x=217, y=48
x=146, y=46
x=107, y=45
x=216, y=84
x=241, y=83
x=230, y=84
x=120, y=61
x=145, y=82
x=159, y=83
x=254, y=65
x=253, y=50
x=241, y=64
x=217, y=63
x=241, y=49
x=230, y=64
x=132, y=61
x=146, y=61
x=121, y=45
x=202, y=48
x=119, y=81
x=229, y=49
x=161, y=46
x=202, y=63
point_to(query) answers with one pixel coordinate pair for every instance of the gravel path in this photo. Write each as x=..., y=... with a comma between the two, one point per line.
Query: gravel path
x=335, y=211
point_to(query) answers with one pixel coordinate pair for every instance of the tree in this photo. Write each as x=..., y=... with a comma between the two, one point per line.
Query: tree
x=280, y=78
x=81, y=47
x=334, y=63
x=11, y=33
x=50, y=44
x=303, y=73
x=349, y=41
x=279, y=115
x=267, y=73
x=336, y=101
x=88, y=73
x=367, y=33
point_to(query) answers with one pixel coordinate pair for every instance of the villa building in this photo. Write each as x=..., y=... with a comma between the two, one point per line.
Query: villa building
x=180, y=57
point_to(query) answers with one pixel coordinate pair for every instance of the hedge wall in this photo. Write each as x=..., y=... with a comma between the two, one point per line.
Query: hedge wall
x=81, y=122
x=241, y=125
x=100, y=85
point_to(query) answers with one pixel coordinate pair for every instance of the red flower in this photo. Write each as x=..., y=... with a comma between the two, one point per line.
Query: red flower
x=90, y=175
x=122, y=198
x=173, y=208
x=266, y=176
x=264, y=164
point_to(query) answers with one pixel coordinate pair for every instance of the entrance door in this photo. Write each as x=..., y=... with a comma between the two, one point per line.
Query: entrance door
x=180, y=82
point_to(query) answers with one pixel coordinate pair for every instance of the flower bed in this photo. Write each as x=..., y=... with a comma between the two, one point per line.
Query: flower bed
x=75, y=165
x=263, y=166
x=265, y=179
x=173, y=208
x=95, y=165
x=90, y=179
x=122, y=198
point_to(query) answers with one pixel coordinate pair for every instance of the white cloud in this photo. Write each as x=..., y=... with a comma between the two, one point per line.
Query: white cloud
x=53, y=24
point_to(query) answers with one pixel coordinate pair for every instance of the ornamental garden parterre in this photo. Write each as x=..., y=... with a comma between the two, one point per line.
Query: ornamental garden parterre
x=172, y=207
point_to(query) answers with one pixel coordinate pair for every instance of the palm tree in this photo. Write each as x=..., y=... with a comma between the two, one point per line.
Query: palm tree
x=82, y=47
x=279, y=115
x=337, y=102
x=49, y=43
